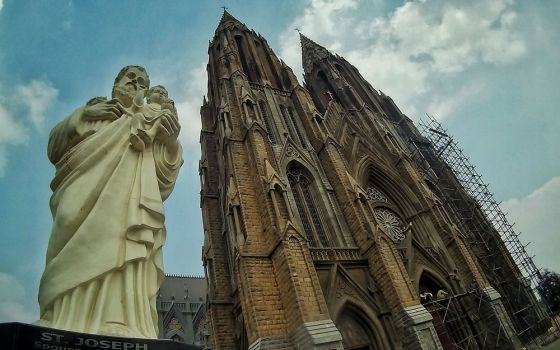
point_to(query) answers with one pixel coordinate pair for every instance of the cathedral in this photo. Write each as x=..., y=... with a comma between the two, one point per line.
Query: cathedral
x=331, y=223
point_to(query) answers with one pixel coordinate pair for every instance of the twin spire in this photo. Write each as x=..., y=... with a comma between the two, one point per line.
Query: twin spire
x=311, y=53
x=310, y=50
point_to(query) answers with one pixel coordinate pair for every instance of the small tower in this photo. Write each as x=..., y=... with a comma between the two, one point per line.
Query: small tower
x=263, y=289
x=376, y=142
x=335, y=78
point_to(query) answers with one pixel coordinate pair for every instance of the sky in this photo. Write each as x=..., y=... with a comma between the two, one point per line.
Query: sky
x=488, y=70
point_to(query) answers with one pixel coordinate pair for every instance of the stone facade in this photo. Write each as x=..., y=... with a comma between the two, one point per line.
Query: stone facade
x=180, y=305
x=320, y=230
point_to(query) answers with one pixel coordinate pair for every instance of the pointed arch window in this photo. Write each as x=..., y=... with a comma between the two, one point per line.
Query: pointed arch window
x=306, y=203
x=325, y=86
x=249, y=107
x=289, y=120
x=241, y=51
x=296, y=127
x=385, y=213
x=267, y=120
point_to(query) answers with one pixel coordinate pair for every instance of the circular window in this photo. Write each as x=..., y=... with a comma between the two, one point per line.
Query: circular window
x=391, y=222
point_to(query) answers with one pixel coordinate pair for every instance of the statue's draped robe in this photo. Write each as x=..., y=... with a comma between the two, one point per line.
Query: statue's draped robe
x=104, y=259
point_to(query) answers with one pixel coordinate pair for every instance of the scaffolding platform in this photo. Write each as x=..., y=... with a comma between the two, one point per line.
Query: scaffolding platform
x=503, y=257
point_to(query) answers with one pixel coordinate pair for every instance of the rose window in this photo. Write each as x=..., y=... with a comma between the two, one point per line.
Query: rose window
x=391, y=222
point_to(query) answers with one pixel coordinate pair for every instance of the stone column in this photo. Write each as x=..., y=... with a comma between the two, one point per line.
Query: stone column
x=314, y=335
x=414, y=323
x=319, y=335
x=271, y=343
x=494, y=300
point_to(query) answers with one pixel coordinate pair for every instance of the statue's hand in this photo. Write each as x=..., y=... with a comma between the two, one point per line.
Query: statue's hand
x=106, y=110
x=168, y=128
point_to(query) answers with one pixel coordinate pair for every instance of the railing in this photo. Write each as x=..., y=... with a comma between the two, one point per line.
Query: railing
x=335, y=254
x=260, y=87
x=256, y=86
x=165, y=305
x=183, y=307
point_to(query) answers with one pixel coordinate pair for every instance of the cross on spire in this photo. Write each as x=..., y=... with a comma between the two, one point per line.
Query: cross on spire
x=225, y=8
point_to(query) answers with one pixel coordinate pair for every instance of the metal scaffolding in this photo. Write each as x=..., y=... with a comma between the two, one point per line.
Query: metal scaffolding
x=473, y=208
x=463, y=322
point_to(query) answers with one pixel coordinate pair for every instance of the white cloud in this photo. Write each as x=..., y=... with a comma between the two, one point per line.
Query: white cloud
x=37, y=97
x=394, y=74
x=188, y=108
x=324, y=21
x=455, y=36
x=400, y=53
x=1, y=4
x=25, y=105
x=536, y=217
x=11, y=133
x=442, y=107
x=12, y=295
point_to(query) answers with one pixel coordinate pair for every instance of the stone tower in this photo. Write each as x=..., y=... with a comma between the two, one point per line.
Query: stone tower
x=320, y=230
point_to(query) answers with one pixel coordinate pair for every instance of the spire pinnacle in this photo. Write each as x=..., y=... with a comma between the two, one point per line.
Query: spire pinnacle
x=311, y=52
x=227, y=17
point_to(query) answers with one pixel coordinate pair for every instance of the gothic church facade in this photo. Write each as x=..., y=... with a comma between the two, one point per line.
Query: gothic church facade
x=321, y=232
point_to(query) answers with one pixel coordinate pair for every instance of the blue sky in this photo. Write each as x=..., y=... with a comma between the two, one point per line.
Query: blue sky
x=488, y=69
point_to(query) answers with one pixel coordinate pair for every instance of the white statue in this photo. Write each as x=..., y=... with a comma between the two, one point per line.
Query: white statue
x=104, y=259
x=145, y=123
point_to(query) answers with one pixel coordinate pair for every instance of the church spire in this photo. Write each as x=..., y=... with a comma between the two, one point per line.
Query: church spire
x=311, y=52
x=228, y=18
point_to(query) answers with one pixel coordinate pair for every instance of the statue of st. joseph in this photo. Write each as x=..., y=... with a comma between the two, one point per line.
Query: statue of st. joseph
x=104, y=258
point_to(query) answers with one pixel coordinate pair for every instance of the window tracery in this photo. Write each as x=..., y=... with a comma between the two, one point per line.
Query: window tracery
x=306, y=205
x=373, y=194
x=296, y=127
x=267, y=121
x=391, y=222
x=384, y=214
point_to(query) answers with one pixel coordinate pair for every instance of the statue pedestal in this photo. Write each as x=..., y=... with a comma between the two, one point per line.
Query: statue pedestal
x=21, y=336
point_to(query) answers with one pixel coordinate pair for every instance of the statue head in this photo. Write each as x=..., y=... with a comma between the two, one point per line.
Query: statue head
x=130, y=81
x=157, y=94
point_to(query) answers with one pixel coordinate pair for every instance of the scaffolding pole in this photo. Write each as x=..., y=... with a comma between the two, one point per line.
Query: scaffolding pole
x=473, y=208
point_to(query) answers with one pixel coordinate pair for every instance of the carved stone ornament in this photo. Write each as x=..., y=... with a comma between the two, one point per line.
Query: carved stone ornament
x=391, y=222
x=175, y=325
x=292, y=152
x=114, y=169
x=373, y=194
x=344, y=289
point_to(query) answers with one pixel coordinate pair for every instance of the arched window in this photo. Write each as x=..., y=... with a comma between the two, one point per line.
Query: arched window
x=325, y=86
x=306, y=203
x=385, y=213
x=250, y=110
x=290, y=122
x=267, y=120
x=286, y=79
x=241, y=51
x=294, y=122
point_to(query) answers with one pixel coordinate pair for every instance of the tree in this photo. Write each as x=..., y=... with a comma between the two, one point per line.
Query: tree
x=549, y=289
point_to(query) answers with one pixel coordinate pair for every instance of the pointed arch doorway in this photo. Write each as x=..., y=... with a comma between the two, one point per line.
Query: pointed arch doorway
x=357, y=330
